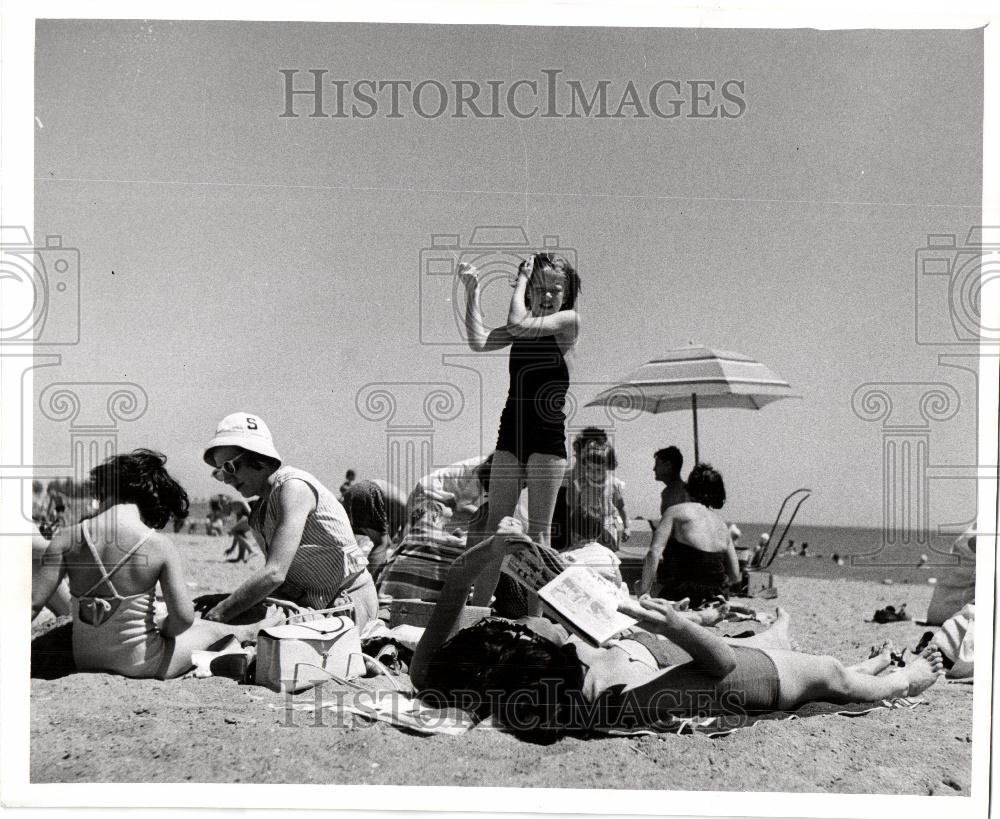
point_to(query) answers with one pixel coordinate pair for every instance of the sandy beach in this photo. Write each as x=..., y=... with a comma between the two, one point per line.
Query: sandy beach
x=103, y=728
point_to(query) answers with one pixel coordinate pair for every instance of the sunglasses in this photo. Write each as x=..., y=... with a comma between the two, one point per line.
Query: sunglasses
x=226, y=468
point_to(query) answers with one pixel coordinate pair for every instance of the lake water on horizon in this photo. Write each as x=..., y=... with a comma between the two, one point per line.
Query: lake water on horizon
x=861, y=548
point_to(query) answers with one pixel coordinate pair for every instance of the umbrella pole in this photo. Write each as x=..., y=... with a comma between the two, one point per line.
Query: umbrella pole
x=694, y=413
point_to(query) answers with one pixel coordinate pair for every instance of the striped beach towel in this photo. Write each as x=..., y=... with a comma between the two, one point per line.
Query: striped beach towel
x=420, y=563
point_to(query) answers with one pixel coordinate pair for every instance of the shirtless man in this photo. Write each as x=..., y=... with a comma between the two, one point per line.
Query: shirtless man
x=667, y=465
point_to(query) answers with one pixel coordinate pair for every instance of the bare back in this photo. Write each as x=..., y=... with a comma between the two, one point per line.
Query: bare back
x=700, y=527
x=113, y=533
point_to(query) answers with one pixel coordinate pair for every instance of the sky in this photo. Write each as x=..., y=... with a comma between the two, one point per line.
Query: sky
x=234, y=259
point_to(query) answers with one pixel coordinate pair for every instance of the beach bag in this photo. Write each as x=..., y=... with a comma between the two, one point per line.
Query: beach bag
x=957, y=642
x=294, y=658
x=957, y=586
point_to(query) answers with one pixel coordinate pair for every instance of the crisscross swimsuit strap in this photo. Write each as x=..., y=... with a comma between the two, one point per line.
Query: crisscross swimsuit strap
x=106, y=575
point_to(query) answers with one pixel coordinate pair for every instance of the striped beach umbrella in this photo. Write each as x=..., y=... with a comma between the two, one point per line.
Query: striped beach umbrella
x=693, y=377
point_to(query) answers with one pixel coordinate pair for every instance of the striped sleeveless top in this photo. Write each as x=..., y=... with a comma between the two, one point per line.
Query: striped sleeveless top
x=328, y=557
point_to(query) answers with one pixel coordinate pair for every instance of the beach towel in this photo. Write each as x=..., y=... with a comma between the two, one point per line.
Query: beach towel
x=407, y=712
x=419, y=566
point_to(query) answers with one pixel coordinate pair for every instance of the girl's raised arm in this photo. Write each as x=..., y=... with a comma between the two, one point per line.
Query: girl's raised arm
x=480, y=340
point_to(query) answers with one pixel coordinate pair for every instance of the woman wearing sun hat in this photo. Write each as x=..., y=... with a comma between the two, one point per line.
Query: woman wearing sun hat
x=311, y=556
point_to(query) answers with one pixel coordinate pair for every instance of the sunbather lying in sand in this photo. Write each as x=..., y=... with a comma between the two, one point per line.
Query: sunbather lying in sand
x=529, y=682
x=113, y=608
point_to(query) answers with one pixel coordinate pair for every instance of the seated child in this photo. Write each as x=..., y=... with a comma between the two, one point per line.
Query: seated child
x=240, y=531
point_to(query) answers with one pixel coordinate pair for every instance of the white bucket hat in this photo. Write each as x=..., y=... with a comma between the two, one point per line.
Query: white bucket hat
x=246, y=431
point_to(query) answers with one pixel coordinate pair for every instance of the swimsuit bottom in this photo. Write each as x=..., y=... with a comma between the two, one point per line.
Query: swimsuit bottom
x=752, y=687
x=524, y=433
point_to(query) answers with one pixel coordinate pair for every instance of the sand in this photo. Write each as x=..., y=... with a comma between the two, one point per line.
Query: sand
x=102, y=728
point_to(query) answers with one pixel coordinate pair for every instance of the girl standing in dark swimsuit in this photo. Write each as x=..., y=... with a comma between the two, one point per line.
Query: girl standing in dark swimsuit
x=541, y=331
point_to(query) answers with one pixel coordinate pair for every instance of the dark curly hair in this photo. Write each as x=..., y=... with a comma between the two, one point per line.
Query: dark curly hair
x=572, y=288
x=671, y=455
x=139, y=478
x=498, y=668
x=705, y=486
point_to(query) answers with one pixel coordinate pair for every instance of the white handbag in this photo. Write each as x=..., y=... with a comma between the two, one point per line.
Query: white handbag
x=294, y=658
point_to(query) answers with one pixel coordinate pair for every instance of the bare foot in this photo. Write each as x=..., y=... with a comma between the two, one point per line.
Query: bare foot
x=877, y=663
x=922, y=672
x=776, y=636
x=248, y=634
x=781, y=629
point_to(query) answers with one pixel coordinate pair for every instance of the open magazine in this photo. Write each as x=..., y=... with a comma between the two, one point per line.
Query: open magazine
x=577, y=596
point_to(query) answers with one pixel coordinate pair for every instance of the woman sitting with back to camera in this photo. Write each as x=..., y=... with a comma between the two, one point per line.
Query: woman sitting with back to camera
x=698, y=558
x=530, y=678
x=113, y=609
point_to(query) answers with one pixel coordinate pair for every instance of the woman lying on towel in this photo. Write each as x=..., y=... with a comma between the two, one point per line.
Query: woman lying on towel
x=114, y=561
x=529, y=678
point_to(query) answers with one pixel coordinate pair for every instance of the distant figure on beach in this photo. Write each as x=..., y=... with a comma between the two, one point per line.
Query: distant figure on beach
x=377, y=511
x=742, y=553
x=667, y=464
x=593, y=488
x=115, y=624
x=310, y=555
x=348, y=480
x=762, y=543
x=541, y=331
x=58, y=601
x=240, y=532
x=691, y=554
x=38, y=501
x=790, y=548
x=803, y=552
